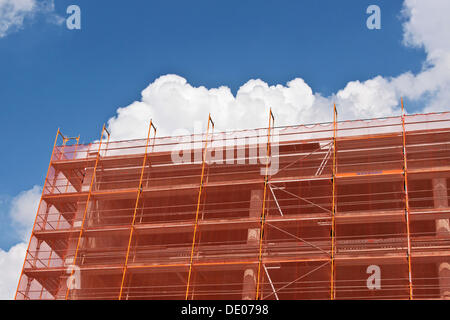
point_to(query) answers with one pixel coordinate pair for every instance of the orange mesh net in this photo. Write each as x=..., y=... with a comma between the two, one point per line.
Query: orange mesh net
x=343, y=218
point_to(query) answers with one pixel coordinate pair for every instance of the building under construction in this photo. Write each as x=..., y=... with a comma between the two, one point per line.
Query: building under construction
x=340, y=210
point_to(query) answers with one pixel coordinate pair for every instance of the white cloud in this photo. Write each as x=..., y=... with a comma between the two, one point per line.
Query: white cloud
x=173, y=103
x=428, y=26
x=10, y=268
x=23, y=211
x=14, y=12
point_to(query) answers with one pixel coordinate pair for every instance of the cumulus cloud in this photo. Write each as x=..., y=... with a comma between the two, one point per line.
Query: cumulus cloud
x=22, y=213
x=14, y=12
x=10, y=266
x=427, y=26
x=174, y=103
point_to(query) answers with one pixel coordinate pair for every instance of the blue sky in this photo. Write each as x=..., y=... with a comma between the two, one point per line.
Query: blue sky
x=53, y=77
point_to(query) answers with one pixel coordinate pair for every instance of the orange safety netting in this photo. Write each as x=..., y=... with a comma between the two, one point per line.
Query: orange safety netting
x=347, y=201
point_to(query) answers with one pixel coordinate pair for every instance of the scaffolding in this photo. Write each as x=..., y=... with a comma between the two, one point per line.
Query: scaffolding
x=340, y=210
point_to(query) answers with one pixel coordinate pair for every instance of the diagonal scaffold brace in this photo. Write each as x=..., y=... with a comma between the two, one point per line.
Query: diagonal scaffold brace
x=263, y=213
x=200, y=191
x=139, y=194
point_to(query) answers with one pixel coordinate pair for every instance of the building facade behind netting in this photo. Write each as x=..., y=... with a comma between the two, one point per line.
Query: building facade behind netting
x=341, y=210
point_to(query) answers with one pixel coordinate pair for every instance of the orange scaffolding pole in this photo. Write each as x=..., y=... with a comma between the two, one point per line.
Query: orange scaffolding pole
x=37, y=213
x=407, y=211
x=263, y=216
x=65, y=140
x=137, y=203
x=210, y=121
x=87, y=201
x=333, y=208
x=74, y=153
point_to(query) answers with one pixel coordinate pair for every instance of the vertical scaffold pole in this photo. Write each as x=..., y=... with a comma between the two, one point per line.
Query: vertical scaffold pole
x=55, y=178
x=407, y=210
x=65, y=140
x=87, y=200
x=37, y=213
x=263, y=215
x=139, y=193
x=77, y=139
x=200, y=190
x=333, y=208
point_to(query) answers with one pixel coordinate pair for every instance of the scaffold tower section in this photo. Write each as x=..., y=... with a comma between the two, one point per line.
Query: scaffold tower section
x=348, y=201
